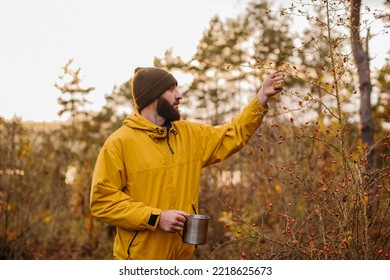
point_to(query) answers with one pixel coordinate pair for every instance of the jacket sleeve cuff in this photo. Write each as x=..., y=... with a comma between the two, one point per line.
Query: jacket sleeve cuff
x=154, y=218
x=257, y=108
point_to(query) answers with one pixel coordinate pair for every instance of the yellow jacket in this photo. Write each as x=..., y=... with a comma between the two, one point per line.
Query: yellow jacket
x=143, y=169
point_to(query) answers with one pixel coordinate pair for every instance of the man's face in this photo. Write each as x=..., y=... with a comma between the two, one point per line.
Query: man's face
x=168, y=104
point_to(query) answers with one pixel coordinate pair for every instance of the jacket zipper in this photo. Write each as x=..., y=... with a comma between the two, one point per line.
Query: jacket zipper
x=169, y=145
x=168, y=127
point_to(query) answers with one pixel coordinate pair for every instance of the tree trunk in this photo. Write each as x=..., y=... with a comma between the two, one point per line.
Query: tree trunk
x=362, y=62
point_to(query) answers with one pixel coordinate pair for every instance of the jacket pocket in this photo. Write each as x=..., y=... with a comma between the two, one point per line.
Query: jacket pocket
x=131, y=241
x=194, y=208
x=123, y=242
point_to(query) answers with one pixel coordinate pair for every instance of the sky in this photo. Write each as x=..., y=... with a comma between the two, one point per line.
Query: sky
x=107, y=39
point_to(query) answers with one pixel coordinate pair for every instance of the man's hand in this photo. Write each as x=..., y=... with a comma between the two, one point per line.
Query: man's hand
x=172, y=220
x=272, y=85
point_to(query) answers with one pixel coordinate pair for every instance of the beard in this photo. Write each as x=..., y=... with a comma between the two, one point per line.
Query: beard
x=166, y=110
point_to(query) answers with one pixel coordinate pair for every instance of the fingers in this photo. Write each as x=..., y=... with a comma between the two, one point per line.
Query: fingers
x=277, y=76
x=178, y=222
x=272, y=85
x=277, y=73
x=182, y=213
x=278, y=85
x=172, y=220
x=177, y=225
x=180, y=219
x=277, y=80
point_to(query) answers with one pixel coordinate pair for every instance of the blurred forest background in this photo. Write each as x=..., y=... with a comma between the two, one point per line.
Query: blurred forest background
x=313, y=182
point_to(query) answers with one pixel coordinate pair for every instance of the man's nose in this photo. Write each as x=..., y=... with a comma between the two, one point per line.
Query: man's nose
x=178, y=95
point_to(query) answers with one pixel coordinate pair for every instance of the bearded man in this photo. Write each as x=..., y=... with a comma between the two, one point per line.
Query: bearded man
x=147, y=175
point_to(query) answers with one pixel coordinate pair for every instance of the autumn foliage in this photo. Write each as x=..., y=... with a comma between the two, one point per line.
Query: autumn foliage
x=305, y=187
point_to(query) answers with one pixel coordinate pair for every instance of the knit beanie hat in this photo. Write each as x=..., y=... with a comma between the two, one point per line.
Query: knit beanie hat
x=149, y=83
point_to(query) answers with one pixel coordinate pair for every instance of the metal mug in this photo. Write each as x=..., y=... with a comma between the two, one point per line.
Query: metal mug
x=195, y=229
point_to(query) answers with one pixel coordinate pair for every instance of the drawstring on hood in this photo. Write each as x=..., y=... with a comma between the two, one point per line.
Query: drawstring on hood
x=137, y=121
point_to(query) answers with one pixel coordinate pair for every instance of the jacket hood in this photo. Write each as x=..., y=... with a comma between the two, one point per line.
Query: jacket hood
x=137, y=121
